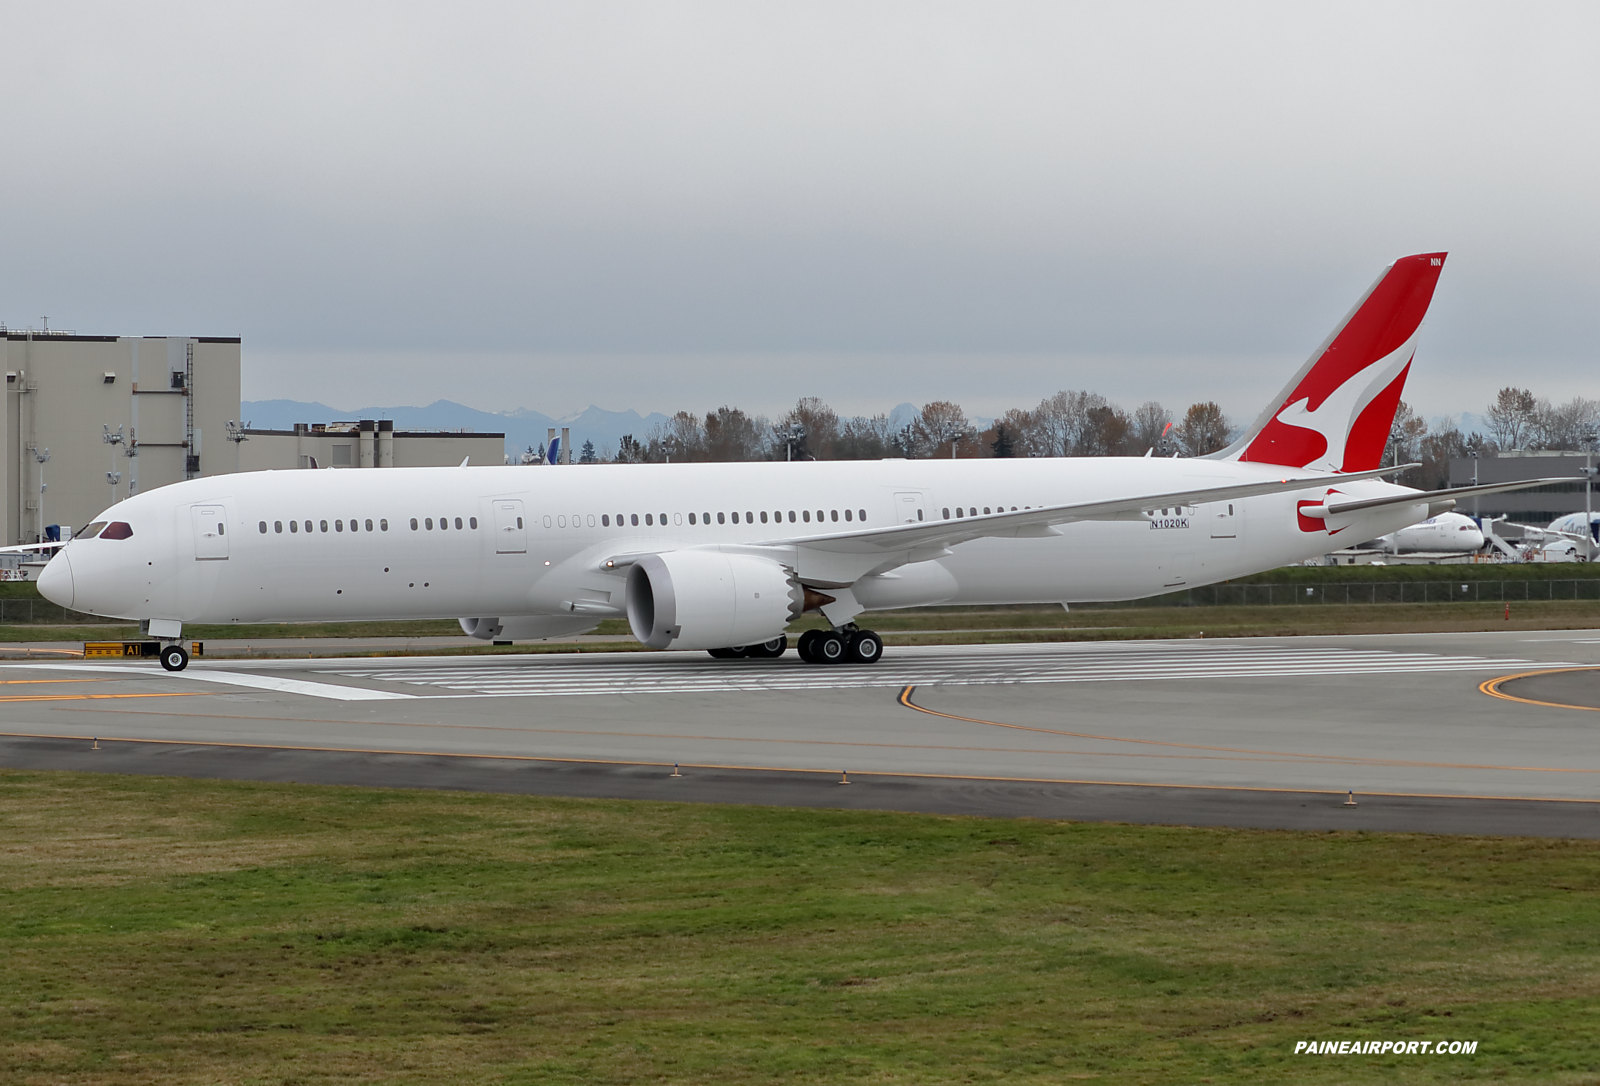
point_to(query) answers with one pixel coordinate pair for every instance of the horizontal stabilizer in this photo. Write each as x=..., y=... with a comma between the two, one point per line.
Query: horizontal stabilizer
x=1419, y=497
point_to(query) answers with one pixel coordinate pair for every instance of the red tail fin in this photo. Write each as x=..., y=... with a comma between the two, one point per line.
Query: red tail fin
x=1335, y=414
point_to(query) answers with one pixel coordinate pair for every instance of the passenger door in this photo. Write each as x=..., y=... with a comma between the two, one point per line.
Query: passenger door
x=510, y=535
x=909, y=507
x=1224, y=524
x=210, y=532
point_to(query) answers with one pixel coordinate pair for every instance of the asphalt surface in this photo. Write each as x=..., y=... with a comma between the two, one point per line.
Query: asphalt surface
x=1428, y=731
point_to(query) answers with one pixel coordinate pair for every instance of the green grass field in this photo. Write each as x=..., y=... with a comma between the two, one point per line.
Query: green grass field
x=160, y=931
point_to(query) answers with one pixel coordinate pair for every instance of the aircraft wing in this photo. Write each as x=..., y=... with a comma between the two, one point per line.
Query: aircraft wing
x=30, y=548
x=1430, y=497
x=1027, y=523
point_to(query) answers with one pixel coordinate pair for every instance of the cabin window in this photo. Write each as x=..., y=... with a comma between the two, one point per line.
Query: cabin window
x=263, y=527
x=791, y=516
x=634, y=519
x=428, y=523
x=835, y=515
x=458, y=524
x=519, y=524
x=919, y=514
x=277, y=526
x=413, y=524
x=705, y=518
x=861, y=515
x=605, y=520
x=960, y=512
x=1230, y=513
x=946, y=512
x=819, y=516
x=294, y=526
x=647, y=520
x=383, y=525
x=444, y=523
x=750, y=518
x=591, y=521
x=118, y=529
x=973, y=511
x=986, y=510
x=847, y=514
x=324, y=525
x=763, y=517
x=221, y=530
x=369, y=525
x=691, y=518
x=338, y=525
x=806, y=514
x=663, y=519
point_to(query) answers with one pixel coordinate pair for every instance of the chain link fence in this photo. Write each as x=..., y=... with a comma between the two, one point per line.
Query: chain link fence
x=1257, y=595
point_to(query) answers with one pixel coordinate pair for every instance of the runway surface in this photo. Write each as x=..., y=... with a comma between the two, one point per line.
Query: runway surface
x=1255, y=732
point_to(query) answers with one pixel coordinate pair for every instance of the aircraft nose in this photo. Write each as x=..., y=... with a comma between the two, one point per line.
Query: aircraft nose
x=55, y=582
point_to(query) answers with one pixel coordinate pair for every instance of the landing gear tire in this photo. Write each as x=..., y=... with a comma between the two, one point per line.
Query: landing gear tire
x=768, y=650
x=174, y=657
x=829, y=648
x=807, y=644
x=866, y=647
x=727, y=654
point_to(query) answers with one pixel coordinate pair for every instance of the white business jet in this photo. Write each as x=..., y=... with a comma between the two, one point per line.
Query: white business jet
x=723, y=557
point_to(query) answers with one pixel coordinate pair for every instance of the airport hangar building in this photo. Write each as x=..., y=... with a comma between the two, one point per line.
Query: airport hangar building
x=124, y=414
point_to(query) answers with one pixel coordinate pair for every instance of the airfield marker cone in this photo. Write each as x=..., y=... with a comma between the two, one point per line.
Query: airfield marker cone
x=675, y=772
x=844, y=776
x=1350, y=800
x=96, y=743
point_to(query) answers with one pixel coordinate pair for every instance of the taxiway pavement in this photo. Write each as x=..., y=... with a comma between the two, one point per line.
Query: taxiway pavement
x=1258, y=731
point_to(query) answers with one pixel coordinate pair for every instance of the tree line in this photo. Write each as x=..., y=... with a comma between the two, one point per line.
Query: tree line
x=1072, y=423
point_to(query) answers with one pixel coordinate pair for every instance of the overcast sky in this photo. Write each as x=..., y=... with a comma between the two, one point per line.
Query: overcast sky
x=665, y=205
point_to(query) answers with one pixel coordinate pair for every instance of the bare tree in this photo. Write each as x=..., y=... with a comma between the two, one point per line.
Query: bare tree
x=864, y=437
x=938, y=425
x=1511, y=417
x=1150, y=424
x=1204, y=429
x=680, y=439
x=1021, y=428
x=1565, y=426
x=821, y=426
x=1107, y=431
x=1405, y=437
x=731, y=435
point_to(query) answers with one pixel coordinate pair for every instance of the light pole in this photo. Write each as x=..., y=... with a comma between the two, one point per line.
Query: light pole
x=43, y=457
x=236, y=435
x=1474, y=454
x=1588, y=487
x=113, y=476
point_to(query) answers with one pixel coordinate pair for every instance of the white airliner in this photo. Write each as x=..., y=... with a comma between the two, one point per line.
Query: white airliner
x=1447, y=533
x=724, y=556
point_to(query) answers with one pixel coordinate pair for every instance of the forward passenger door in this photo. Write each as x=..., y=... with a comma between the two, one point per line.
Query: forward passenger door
x=510, y=533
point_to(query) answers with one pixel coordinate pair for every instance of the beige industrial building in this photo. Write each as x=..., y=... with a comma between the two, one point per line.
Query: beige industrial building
x=368, y=443
x=114, y=414
x=92, y=419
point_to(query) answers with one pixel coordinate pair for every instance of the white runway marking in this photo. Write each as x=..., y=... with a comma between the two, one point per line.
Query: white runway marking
x=254, y=680
x=568, y=676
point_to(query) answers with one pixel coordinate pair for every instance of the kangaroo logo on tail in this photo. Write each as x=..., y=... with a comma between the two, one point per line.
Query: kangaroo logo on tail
x=1336, y=413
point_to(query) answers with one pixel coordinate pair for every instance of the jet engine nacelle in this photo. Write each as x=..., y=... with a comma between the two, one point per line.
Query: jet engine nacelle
x=527, y=627
x=705, y=599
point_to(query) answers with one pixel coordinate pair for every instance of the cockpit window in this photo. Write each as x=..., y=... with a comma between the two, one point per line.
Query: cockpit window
x=89, y=531
x=117, y=529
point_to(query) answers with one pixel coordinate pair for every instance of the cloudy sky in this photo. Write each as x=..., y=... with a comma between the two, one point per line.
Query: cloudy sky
x=664, y=205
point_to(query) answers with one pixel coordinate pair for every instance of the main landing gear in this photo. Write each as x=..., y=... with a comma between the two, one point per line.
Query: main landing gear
x=846, y=645
x=174, y=657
